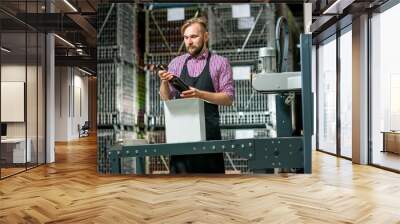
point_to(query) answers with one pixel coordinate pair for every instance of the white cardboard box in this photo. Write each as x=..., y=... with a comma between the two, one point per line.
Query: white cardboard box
x=184, y=120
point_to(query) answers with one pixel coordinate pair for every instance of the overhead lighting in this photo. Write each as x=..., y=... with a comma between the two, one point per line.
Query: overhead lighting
x=80, y=51
x=5, y=50
x=84, y=71
x=70, y=5
x=65, y=41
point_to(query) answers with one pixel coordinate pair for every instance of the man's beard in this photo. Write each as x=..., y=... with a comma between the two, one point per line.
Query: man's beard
x=195, y=52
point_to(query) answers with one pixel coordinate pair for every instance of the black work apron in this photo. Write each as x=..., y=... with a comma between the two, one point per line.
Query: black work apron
x=202, y=163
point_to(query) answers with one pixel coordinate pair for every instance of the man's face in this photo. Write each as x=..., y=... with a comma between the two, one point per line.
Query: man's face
x=195, y=38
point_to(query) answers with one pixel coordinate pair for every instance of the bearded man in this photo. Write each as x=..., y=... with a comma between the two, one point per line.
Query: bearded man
x=209, y=77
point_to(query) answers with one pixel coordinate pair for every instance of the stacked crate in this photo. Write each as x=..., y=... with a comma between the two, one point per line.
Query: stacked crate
x=228, y=39
x=239, y=40
x=240, y=44
x=116, y=79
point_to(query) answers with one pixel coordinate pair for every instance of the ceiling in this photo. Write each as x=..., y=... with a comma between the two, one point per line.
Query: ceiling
x=74, y=21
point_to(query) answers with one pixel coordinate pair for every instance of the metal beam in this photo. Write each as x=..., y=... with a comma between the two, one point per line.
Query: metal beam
x=321, y=23
x=86, y=26
x=82, y=61
x=48, y=22
x=338, y=6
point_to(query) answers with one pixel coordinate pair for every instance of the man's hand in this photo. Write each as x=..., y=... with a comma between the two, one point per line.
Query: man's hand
x=165, y=76
x=192, y=93
x=164, y=87
x=220, y=98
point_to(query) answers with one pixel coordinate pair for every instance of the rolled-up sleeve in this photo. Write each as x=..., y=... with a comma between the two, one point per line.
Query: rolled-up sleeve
x=226, y=83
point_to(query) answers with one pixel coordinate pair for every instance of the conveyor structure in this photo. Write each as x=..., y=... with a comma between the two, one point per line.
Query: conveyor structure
x=286, y=151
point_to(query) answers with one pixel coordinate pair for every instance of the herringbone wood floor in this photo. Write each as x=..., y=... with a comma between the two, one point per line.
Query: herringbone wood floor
x=70, y=191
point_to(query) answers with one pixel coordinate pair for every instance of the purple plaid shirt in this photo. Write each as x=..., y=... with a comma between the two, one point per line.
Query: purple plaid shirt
x=220, y=70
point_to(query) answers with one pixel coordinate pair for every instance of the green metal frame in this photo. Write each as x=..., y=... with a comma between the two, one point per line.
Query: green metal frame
x=307, y=99
x=283, y=117
x=263, y=153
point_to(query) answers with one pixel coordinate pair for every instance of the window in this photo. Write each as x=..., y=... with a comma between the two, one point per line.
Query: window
x=346, y=93
x=327, y=96
x=385, y=88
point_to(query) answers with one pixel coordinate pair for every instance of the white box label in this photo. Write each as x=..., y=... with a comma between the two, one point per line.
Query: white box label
x=176, y=14
x=241, y=72
x=241, y=11
x=243, y=134
x=245, y=23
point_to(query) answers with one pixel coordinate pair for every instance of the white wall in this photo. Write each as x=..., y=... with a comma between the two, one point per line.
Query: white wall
x=61, y=103
x=80, y=112
x=71, y=103
x=10, y=73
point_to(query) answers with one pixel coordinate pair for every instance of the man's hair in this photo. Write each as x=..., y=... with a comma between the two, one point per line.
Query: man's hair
x=200, y=20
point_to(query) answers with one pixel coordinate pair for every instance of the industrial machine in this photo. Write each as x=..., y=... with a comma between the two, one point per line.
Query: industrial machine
x=273, y=78
x=294, y=121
